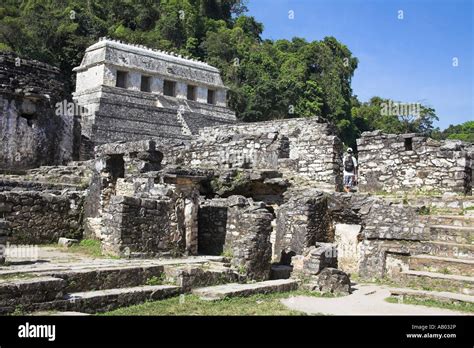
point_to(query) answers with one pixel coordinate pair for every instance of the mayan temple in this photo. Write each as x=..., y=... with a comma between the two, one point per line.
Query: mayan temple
x=130, y=92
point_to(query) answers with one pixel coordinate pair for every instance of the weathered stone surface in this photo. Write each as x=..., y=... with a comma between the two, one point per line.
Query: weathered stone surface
x=333, y=281
x=67, y=242
x=408, y=162
x=315, y=259
x=27, y=291
x=301, y=222
x=189, y=277
x=233, y=290
x=347, y=238
x=441, y=264
x=109, y=299
x=261, y=184
x=309, y=144
x=436, y=295
x=107, y=277
x=32, y=133
x=43, y=217
x=240, y=229
x=441, y=282
x=133, y=225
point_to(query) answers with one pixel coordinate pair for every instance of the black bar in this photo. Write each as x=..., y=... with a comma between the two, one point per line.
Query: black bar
x=242, y=331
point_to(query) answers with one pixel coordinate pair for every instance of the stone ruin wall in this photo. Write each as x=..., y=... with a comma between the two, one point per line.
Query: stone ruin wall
x=301, y=222
x=240, y=229
x=133, y=226
x=375, y=237
x=394, y=163
x=31, y=134
x=303, y=148
x=42, y=217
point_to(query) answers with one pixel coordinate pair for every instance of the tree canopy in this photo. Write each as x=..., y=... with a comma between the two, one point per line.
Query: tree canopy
x=267, y=79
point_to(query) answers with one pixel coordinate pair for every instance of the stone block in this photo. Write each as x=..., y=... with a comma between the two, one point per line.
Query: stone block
x=67, y=242
x=315, y=259
x=333, y=281
x=347, y=238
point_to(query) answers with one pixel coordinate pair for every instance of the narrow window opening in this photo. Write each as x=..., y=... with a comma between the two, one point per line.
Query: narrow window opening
x=169, y=88
x=145, y=84
x=121, y=79
x=191, y=95
x=408, y=144
x=211, y=96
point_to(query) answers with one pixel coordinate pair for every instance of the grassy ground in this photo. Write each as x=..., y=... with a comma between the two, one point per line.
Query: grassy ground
x=87, y=247
x=192, y=305
x=414, y=300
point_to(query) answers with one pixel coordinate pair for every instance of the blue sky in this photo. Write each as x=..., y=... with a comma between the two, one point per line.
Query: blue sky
x=408, y=60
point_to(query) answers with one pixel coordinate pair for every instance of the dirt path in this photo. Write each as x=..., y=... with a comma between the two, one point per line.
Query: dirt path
x=366, y=299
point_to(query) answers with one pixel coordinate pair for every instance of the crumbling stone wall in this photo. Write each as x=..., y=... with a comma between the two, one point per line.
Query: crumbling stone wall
x=390, y=231
x=307, y=148
x=236, y=151
x=31, y=132
x=378, y=231
x=301, y=222
x=42, y=217
x=142, y=210
x=134, y=226
x=408, y=162
x=248, y=237
x=240, y=229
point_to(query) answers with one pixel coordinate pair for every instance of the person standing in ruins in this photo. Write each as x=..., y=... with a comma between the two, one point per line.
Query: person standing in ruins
x=350, y=170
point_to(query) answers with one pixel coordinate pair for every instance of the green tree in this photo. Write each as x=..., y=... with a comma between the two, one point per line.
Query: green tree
x=463, y=131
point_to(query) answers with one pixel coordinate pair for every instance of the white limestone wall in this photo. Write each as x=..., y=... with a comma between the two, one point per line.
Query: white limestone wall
x=221, y=97
x=110, y=75
x=157, y=85
x=201, y=94
x=181, y=90
x=134, y=80
x=90, y=78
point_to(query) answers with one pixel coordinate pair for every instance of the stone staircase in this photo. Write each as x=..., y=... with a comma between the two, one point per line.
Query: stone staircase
x=73, y=175
x=93, y=288
x=218, y=292
x=448, y=264
x=185, y=130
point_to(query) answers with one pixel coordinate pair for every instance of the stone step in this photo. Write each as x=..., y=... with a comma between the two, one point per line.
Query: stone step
x=436, y=295
x=444, y=265
x=453, y=234
x=18, y=292
x=447, y=249
x=189, y=277
x=440, y=282
x=108, y=277
x=450, y=220
x=235, y=289
x=107, y=300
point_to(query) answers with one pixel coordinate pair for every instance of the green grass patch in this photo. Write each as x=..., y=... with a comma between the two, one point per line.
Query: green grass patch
x=188, y=304
x=89, y=247
x=428, y=302
x=154, y=280
x=16, y=276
